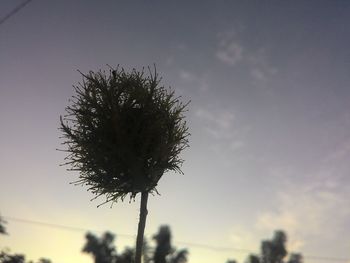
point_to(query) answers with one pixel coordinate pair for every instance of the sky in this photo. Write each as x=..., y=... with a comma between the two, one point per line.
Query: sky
x=269, y=119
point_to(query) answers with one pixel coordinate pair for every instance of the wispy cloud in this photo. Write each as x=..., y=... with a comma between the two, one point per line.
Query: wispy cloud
x=218, y=124
x=313, y=210
x=232, y=52
x=199, y=81
x=221, y=126
x=314, y=206
x=305, y=216
x=174, y=52
x=229, y=51
x=301, y=214
x=340, y=152
x=260, y=66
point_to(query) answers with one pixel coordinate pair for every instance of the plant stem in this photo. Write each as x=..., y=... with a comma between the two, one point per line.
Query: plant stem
x=141, y=227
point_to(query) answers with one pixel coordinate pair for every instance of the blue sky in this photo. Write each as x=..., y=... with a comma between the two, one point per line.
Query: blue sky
x=269, y=118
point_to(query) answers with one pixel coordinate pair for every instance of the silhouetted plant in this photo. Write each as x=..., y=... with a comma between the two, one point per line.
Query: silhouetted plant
x=44, y=260
x=123, y=131
x=2, y=226
x=146, y=252
x=163, y=249
x=295, y=258
x=253, y=259
x=102, y=249
x=179, y=256
x=273, y=251
x=6, y=257
x=128, y=256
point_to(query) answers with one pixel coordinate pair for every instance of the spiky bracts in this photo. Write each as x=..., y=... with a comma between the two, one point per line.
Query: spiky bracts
x=123, y=131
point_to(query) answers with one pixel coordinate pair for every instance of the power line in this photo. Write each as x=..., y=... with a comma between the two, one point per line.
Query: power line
x=204, y=246
x=326, y=258
x=215, y=248
x=14, y=11
x=58, y=226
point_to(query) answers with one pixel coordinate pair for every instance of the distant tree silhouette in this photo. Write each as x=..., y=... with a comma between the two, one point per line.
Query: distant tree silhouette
x=102, y=249
x=163, y=240
x=2, y=226
x=295, y=258
x=128, y=256
x=165, y=252
x=147, y=252
x=123, y=131
x=5, y=257
x=253, y=259
x=179, y=256
x=273, y=251
x=44, y=260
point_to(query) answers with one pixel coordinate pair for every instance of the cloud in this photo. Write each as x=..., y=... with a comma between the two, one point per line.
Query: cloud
x=218, y=124
x=292, y=219
x=241, y=237
x=187, y=76
x=229, y=50
x=314, y=206
x=230, y=53
x=200, y=82
x=258, y=74
x=306, y=211
x=340, y=153
x=261, y=69
x=221, y=126
x=313, y=211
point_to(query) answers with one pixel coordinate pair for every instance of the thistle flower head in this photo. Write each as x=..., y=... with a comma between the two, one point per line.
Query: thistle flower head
x=123, y=130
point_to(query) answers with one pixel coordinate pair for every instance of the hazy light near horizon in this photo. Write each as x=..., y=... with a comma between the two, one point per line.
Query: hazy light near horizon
x=269, y=119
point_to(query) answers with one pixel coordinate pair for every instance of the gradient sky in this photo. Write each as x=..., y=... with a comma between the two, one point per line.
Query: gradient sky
x=269, y=118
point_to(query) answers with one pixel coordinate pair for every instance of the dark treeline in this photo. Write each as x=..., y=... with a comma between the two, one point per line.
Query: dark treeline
x=7, y=257
x=274, y=251
x=103, y=250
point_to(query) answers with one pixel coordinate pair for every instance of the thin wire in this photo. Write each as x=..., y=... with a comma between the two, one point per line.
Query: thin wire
x=58, y=226
x=326, y=258
x=14, y=11
x=216, y=248
x=204, y=246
